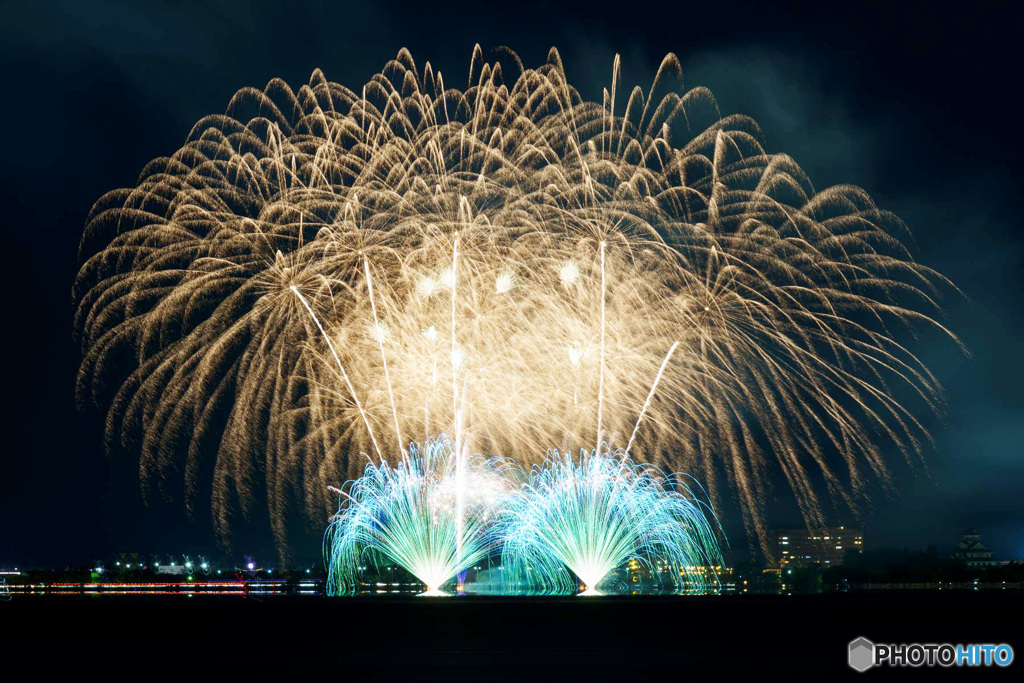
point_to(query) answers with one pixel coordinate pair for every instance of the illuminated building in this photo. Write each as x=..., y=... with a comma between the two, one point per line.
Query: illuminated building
x=971, y=552
x=172, y=566
x=638, y=578
x=796, y=548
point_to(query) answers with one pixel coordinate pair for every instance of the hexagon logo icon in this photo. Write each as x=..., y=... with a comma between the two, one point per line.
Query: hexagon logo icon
x=862, y=654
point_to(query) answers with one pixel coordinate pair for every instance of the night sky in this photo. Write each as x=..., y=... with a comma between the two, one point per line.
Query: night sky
x=915, y=105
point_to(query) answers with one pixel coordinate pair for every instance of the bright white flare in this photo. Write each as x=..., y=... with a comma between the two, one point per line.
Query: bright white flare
x=504, y=282
x=569, y=273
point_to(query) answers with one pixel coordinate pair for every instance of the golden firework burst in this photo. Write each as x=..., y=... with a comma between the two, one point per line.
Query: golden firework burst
x=326, y=273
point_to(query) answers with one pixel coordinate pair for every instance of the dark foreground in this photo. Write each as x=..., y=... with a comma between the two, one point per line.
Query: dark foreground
x=476, y=639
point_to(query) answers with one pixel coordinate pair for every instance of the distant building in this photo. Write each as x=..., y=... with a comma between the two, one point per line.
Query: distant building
x=971, y=552
x=170, y=567
x=180, y=566
x=796, y=548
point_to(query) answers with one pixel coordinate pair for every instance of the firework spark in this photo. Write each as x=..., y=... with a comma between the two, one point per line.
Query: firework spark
x=508, y=263
x=418, y=516
x=595, y=513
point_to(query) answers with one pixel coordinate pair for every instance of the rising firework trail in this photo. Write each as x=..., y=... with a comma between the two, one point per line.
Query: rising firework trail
x=379, y=332
x=302, y=222
x=341, y=368
x=650, y=395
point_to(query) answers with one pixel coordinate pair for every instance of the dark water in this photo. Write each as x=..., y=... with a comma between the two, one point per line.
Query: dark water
x=477, y=639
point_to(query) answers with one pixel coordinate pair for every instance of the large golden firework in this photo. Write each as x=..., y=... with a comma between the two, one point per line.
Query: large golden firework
x=321, y=276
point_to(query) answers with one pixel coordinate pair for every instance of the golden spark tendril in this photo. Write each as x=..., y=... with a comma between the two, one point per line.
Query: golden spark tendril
x=552, y=223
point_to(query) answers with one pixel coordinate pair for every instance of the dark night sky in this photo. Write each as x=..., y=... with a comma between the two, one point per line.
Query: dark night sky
x=916, y=105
